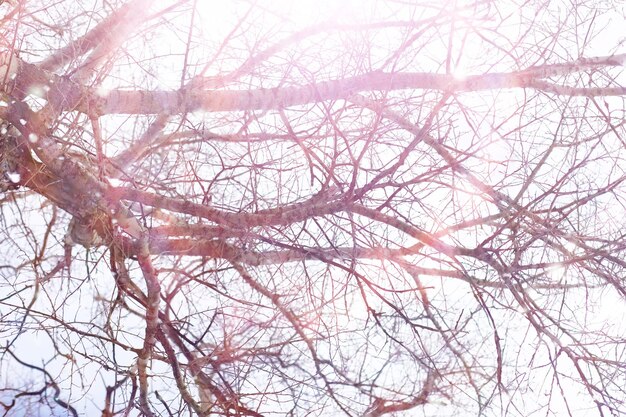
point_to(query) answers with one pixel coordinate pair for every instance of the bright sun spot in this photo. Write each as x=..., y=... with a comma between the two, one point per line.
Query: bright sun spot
x=460, y=72
x=557, y=272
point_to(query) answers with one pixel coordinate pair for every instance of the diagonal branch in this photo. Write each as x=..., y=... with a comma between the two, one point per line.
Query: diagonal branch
x=114, y=27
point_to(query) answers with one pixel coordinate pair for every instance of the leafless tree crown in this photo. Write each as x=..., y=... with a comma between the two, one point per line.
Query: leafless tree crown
x=312, y=208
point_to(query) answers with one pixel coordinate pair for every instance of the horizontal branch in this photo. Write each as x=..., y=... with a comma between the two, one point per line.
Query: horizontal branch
x=151, y=102
x=66, y=94
x=287, y=214
x=220, y=249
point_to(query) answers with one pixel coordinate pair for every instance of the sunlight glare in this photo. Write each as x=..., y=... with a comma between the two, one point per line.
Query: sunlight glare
x=557, y=272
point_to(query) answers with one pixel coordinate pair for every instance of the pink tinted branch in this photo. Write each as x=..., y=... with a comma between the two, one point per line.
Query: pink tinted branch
x=66, y=94
x=152, y=321
x=117, y=25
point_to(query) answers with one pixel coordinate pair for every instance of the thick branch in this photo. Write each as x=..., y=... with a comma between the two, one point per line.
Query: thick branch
x=152, y=321
x=66, y=94
x=316, y=206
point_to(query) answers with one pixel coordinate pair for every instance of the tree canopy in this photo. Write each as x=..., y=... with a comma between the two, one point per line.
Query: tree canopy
x=266, y=208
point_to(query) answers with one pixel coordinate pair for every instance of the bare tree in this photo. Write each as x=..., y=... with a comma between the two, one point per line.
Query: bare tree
x=358, y=208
